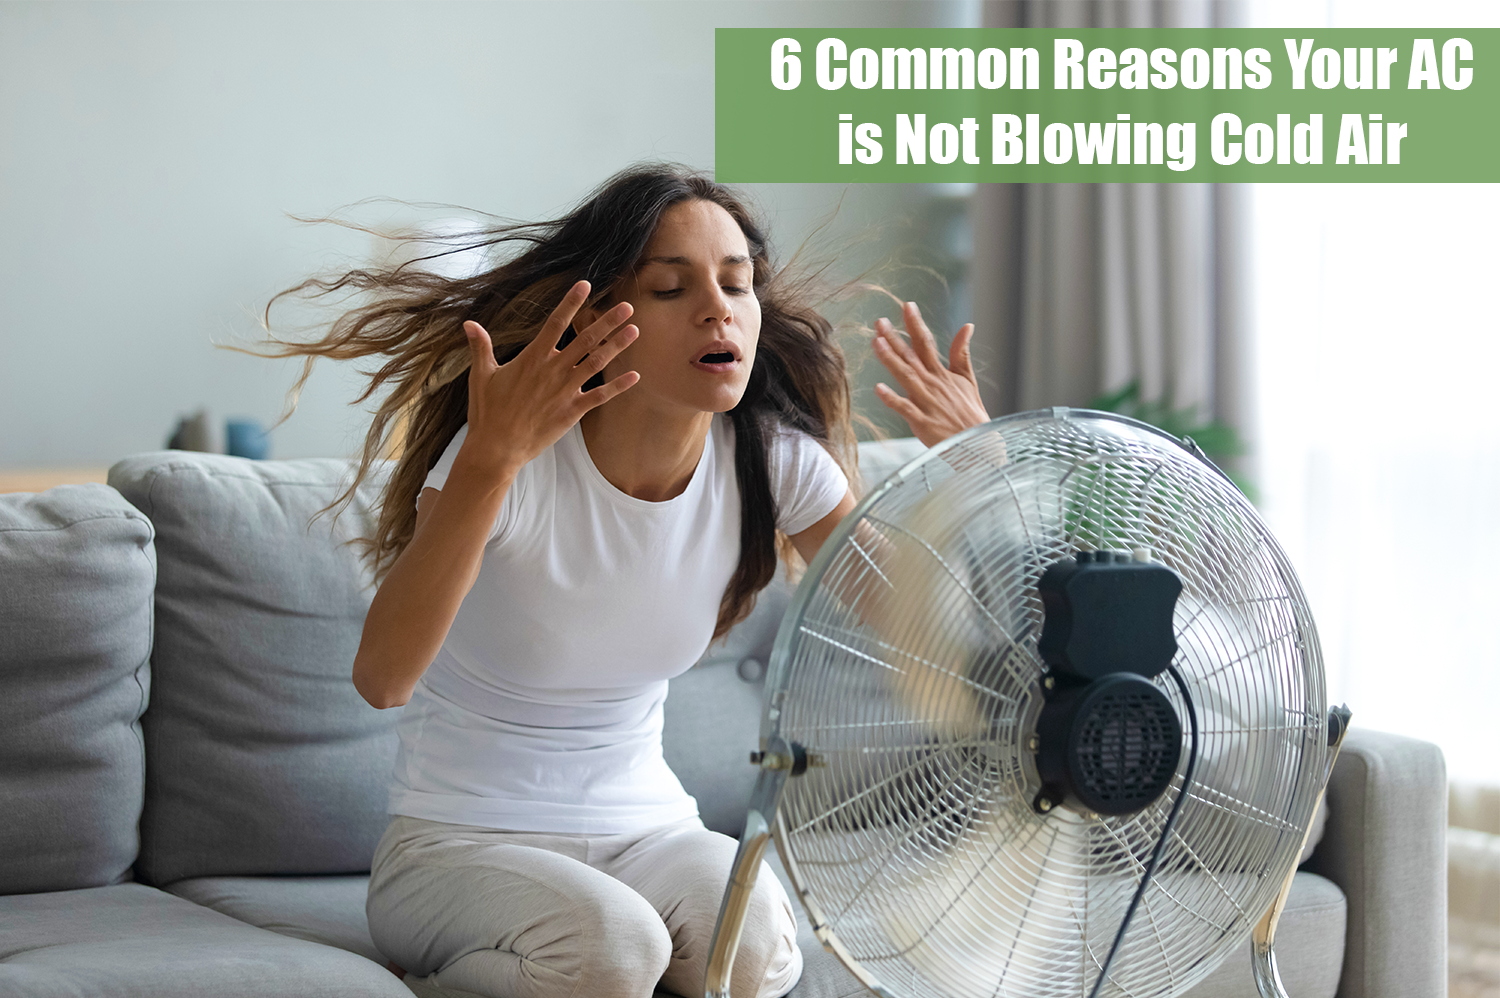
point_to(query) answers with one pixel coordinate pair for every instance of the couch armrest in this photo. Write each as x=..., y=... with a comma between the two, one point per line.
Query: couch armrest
x=1385, y=846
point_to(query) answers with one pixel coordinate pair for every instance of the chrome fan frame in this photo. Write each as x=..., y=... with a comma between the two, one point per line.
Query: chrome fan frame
x=958, y=882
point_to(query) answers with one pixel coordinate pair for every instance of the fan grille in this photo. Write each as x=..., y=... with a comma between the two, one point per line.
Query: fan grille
x=1126, y=749
x=917, y=844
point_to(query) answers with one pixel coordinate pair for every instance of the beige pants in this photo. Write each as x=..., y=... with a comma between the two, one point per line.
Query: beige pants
x=533, y=915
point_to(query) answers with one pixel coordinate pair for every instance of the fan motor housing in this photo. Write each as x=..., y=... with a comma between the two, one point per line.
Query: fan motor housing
x=1108, y=740
x=1111, y=745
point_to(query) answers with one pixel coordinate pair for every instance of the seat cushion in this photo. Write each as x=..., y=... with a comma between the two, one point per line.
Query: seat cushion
x=76, y=574
x=328, y=910
x=131, y=941
x=1309, y=946
x=261, y=757
x=331, y=910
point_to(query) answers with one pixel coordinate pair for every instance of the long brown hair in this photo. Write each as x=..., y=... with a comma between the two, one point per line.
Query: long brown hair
x=414, y=319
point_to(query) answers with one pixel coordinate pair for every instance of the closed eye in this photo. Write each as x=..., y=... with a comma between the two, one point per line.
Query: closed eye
x=732, y=289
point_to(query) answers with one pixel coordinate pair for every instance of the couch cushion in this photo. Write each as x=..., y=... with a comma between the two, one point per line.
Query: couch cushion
x=76, y=572
x=1309, y=946
x=261, y=757
x=1310, y=940
x=879, y=459
x=130, y=941
x=329, y=910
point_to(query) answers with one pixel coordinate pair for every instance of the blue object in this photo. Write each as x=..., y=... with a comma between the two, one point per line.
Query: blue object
x=247, y=438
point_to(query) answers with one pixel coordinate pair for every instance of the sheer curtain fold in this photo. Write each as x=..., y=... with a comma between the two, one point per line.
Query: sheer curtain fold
x=1080, y=289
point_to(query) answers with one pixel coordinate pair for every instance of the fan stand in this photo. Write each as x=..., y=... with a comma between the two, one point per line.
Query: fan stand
x=776, y=763
x=1262, y=956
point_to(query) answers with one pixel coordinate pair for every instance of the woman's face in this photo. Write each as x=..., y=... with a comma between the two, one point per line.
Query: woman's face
x=696, y=309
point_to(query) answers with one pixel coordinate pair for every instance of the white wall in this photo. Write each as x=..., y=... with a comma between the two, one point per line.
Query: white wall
x=148, y=153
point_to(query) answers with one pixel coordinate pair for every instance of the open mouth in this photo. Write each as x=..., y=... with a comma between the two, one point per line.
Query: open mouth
x=722, y=357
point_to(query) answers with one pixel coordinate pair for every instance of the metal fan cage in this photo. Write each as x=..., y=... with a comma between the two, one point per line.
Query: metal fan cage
x=907, y=667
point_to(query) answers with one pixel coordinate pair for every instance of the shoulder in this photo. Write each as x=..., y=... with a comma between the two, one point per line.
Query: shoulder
x=788, y=450
x=795, y=451
x=806, y=481
x=535, y=477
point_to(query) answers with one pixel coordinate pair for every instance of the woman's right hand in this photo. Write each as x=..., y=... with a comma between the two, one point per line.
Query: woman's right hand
x=520, y=408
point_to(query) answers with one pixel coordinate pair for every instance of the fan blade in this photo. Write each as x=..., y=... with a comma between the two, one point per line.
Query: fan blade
x=954, y=938
x=909, y=662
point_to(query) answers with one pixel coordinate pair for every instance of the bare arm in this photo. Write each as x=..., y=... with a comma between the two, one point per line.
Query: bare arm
x=856, y=590
x=417, y=601
x=516, y=411
x=811, y=540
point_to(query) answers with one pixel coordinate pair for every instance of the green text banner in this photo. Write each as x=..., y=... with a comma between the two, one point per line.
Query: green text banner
x=1106, y=105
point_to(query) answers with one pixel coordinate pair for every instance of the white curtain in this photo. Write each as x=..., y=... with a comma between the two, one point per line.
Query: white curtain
x=1381, y=466
x=1378, y=343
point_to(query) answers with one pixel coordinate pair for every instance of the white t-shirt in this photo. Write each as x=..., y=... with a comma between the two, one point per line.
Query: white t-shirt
x=542, y=712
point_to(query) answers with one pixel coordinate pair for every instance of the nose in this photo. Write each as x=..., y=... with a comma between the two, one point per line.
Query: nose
x=717, y=307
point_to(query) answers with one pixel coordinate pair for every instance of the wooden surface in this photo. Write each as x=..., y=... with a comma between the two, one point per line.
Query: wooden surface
x=42, y=479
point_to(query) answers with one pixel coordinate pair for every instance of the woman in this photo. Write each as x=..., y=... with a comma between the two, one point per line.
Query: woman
x=646, y=407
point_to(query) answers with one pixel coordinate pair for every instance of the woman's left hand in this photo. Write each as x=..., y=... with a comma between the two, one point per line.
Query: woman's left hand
x=940, y=399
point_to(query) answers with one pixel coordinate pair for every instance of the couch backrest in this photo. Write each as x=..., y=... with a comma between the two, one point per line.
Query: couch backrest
x=76, y=574
x=260, y=756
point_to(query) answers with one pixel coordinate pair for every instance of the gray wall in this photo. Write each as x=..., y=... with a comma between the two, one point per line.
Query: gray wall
x=148, y=153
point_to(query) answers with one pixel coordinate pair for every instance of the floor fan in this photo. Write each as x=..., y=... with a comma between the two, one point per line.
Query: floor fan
x=1046, y=717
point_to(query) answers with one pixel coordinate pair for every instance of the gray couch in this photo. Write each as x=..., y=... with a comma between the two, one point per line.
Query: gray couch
x=193, y=790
